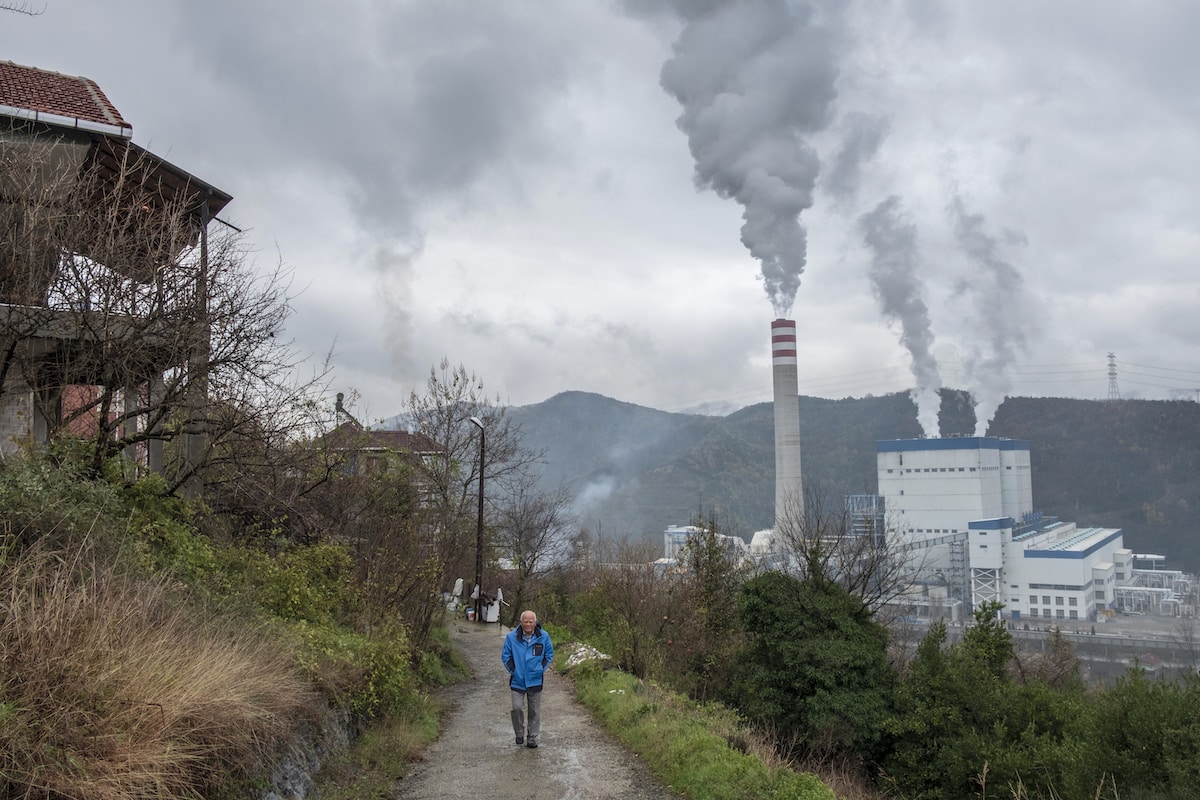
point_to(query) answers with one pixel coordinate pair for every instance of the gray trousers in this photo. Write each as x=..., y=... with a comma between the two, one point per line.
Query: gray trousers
x=534, y=701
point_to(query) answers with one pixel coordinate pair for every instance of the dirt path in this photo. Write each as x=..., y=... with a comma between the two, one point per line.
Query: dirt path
x=476, y=756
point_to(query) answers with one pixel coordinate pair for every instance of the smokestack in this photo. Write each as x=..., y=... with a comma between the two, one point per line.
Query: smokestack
x=789, y=497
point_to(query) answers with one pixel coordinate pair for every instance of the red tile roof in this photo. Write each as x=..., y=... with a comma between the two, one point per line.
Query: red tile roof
x=45, y=92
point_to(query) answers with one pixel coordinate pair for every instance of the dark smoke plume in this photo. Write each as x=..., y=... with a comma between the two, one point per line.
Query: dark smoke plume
x=754, y=78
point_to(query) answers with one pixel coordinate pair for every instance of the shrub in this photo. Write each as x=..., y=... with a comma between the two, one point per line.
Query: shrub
x=369, y=674
x=305, y=583
x=42, y=502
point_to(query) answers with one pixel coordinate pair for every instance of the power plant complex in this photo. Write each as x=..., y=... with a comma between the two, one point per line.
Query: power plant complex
x=958, y=511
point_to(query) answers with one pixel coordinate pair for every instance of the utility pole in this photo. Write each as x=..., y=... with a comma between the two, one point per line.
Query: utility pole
x=478, y=423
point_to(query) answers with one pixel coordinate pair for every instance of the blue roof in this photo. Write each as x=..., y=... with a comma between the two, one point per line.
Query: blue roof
x=950, y=443
x=1088, y=540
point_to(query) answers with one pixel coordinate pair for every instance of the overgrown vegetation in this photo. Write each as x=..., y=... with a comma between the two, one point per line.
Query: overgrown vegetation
x=702, y=751
x=142, y=659
x=195, y=572
x=116, y=685
x=806, y=665
x=379, y=758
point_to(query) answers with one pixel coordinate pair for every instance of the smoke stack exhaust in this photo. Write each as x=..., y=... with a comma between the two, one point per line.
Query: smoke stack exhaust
x=789, y=496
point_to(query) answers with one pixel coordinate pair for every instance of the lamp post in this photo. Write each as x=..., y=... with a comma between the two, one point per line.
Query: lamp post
x=478, y=423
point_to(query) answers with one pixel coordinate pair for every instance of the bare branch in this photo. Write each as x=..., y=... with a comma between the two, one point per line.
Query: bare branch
x=533, y=531
x=855, y=551
x=23, y=8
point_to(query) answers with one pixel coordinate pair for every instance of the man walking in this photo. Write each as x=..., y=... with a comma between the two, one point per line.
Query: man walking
x=526, y=654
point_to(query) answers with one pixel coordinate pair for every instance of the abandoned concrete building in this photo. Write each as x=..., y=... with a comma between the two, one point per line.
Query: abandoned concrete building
x=101, y=241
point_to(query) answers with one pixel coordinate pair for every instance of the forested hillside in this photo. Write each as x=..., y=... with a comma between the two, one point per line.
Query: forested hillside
x=1133, y=464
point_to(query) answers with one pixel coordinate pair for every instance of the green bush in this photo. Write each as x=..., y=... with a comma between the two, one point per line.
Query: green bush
x=814, y=666
x=371, y=675
x=438, y=663
x=163, y=535
x=41, y=501
x=310, y=583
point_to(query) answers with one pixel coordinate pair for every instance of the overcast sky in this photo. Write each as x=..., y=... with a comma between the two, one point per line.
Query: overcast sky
x=618, y=197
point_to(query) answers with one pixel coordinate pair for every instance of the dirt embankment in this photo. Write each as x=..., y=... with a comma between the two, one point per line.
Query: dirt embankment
x=477, y=757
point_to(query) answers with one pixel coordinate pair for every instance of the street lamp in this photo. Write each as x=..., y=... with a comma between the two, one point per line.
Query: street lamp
x=478, y=423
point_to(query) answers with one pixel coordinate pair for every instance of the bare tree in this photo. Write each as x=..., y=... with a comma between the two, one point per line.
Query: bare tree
x=377, y=511
x=452, y=396
x=1185, y=637
x=828, y=542
x=533, y=531
x=1056, y=665
x=636, y=601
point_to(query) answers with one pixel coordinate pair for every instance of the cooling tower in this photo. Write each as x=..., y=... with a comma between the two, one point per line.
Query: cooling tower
x=789, y=496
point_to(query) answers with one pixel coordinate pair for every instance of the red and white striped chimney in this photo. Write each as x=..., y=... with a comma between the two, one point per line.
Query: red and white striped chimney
x=789, y=496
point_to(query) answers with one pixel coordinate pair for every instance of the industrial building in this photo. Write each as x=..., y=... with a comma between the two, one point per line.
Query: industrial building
x=961, y=508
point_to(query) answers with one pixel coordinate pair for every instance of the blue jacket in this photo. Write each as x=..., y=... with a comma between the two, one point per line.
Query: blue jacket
x=526, y=659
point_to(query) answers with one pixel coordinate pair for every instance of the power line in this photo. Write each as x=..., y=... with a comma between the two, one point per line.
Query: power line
x=1164, y=369
x=1090, y=377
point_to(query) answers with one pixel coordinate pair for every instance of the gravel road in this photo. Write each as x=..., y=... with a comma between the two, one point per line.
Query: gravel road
x=476, y=756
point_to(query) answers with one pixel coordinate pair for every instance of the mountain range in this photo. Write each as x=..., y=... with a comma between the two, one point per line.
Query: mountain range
x=1129, y=464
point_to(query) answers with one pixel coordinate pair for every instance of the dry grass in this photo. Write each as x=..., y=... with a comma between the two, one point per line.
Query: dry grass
x=845, y=779
x=113, y=687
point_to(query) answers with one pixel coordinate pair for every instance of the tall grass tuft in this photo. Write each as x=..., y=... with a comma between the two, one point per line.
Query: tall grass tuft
x=119, y=686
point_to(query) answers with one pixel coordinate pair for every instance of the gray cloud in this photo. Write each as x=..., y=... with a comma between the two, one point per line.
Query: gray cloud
x=405, y=105
x=505, y=183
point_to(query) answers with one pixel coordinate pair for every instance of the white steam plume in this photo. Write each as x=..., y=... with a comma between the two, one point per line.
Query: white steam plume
x=892, y=238
x=754, y=77
x=1002, y=315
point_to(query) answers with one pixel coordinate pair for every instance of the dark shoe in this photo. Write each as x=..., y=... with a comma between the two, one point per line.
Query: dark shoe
x=520, y=740
x=532, y=744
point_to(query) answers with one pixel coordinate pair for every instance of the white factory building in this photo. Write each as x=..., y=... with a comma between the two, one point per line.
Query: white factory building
x=962, y=509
